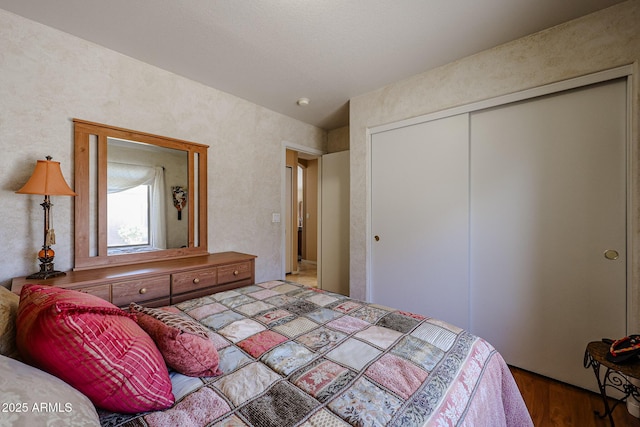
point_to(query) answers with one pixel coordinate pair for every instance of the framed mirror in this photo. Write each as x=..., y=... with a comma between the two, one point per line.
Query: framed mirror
x=141, y=197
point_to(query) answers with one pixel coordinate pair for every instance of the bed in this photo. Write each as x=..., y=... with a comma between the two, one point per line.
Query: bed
x=289, y=355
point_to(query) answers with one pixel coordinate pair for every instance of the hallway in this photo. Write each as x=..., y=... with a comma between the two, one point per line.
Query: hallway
x=307, y=274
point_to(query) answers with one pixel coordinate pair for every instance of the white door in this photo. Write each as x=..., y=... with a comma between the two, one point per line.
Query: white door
x=548, y=199
x=420, y=219
x=334, y=240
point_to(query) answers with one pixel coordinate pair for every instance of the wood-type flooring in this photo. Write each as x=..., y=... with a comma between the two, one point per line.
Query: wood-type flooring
x=553, y=403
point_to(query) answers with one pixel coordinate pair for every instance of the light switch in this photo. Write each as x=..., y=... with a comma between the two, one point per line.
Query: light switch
x=275, y=217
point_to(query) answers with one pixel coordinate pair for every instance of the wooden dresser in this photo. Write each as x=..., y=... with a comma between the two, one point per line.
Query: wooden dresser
x=158, y=283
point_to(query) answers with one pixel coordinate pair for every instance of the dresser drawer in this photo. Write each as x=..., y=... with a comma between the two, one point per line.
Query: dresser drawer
x=193, y=280
x=140, y=290
x=234, y=272
x=101, y=291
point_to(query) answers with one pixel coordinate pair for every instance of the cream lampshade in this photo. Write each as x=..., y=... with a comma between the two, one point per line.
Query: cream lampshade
x=47, y=180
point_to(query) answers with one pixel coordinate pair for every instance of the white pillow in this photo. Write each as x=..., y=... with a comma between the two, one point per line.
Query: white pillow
x=31, y=397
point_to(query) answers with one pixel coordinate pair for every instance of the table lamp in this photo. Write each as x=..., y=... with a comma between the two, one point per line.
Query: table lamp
x=47, y=180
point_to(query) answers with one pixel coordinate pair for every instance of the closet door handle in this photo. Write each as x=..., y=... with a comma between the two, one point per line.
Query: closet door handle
x=611, y=254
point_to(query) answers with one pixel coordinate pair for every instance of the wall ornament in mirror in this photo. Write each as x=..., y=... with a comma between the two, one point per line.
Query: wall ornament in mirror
x=179, y=199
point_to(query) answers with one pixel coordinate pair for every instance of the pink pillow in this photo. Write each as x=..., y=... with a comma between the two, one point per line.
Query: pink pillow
x=94, y=346
x=185, y=344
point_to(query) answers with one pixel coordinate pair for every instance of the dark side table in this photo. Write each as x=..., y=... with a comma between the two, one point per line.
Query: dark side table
x=615, y=376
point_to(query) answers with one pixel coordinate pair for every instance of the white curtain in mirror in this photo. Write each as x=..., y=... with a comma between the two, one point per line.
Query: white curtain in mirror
x=122, y=176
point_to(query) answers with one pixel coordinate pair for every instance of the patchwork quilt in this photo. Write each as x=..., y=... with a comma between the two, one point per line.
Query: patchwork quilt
x=297, y=356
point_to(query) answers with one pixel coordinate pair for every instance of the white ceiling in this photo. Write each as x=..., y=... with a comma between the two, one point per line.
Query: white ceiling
x=272, y=52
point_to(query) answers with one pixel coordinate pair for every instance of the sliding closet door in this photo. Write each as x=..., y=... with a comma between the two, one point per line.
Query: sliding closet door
x=420, y=219
x=548, y=200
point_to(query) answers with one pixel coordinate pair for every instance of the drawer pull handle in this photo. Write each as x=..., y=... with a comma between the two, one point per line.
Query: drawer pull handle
x=143, y=291
x=196, y=280
x=236, y=272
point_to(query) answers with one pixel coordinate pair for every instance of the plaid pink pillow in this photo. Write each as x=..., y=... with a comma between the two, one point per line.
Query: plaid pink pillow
x=93, y=346
x=184, y=343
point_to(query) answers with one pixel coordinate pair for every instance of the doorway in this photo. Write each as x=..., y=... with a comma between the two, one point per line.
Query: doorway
x=324, y=212
x=302, y=217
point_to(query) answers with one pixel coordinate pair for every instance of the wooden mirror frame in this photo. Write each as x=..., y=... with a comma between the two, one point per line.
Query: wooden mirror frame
x=88, y=134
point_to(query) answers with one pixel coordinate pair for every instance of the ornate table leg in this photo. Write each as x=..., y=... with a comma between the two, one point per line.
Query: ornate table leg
x=590, y=361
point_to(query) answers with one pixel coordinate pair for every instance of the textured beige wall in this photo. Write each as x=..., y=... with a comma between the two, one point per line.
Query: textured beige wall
x=48, y=77
x=338, y=140
x=600, y=41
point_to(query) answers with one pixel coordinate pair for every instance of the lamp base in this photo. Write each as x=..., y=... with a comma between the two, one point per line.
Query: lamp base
x=47, y=271
x=40, y=275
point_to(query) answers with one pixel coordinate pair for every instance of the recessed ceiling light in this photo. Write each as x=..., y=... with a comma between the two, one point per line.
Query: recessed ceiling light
x=303, y=102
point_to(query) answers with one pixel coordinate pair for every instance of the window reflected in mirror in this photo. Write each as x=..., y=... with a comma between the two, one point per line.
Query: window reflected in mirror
x=129, y=219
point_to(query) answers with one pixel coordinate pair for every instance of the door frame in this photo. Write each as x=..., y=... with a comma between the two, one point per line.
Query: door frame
x=632, y=150
x=286, y=145
x=288, y=215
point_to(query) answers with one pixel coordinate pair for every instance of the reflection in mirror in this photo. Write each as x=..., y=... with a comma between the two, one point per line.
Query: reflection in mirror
x=141, y=214
x=141, y=197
